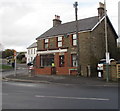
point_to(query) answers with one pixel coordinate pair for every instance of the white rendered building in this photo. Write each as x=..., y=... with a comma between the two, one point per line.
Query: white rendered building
x=31, y=52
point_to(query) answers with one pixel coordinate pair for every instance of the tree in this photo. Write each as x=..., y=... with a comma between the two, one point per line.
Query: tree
x=21, y=57
x=8, y=53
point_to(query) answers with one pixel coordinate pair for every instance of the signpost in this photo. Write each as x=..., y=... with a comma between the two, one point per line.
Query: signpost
x=15, y=54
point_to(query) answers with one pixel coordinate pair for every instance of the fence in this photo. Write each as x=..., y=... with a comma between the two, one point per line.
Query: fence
x=118, y=71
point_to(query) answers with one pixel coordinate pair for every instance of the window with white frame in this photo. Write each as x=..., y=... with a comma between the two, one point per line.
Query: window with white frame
x=61, y=61
x=34, y=51
x=74, y=40
x=31, y=58
x=74, y=60
x=28, y=51
x=46, y=41
x=59, y=41
x=31, y=51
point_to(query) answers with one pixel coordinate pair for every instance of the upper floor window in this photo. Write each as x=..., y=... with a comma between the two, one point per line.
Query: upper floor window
x=28, y=51
x=31, y=51
x=34, y=51
x=59, y=41
x=74, y=40
x=46, y=43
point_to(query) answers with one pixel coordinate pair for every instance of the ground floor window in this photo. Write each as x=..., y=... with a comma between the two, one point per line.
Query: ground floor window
x=61, y=61
x=74, y=60
x=46, y=60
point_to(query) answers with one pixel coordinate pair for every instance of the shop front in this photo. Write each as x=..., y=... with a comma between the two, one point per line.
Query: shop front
x=55, y=62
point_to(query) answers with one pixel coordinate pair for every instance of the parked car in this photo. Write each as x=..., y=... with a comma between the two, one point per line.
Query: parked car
x=100, y=66
x=30, y=63
x=9, y=59
x=101, y=63
x=30, y=67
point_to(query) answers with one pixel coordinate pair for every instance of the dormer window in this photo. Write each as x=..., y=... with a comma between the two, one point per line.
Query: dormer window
x=74, y=40
x=46, y=41
x=59, y=41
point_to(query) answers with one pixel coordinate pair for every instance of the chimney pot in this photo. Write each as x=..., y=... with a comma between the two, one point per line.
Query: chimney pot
x=56, y=21
x=101, y=5
x=101, y=11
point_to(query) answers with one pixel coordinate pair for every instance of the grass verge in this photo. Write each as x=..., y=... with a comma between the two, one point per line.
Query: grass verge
x=2, y=66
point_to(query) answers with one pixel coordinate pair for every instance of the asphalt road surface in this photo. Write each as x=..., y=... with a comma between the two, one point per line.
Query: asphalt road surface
x=19, y=95
x=20, y=69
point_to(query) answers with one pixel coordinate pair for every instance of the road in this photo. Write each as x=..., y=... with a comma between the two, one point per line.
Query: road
x=19, y=95
x=21, y=69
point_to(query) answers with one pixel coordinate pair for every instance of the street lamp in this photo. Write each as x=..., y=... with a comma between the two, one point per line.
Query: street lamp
x=77, y=37
x=106, y=44
x=15, y=55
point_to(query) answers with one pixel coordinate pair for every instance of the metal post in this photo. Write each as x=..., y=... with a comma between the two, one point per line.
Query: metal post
x=106, y=44
x=15, y=66
x=78, y=46
x=15, y=56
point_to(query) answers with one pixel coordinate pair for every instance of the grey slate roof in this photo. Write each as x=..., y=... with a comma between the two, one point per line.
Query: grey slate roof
x=33, y=45
x=70, y=27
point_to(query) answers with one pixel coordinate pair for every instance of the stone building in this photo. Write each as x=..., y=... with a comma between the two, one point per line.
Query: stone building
x=57, y=47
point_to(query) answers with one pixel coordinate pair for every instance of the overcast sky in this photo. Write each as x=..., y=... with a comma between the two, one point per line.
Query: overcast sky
x=22, y=21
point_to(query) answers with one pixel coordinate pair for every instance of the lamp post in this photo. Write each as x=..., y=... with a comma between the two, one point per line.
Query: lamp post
x=106, y=44
x=77, y=37
x=15, y=54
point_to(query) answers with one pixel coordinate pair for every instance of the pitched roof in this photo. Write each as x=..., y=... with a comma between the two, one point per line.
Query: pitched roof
x=33, y=45
x=70, y=27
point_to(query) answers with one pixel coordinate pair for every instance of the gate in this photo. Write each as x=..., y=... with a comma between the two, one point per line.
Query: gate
x=118, y=70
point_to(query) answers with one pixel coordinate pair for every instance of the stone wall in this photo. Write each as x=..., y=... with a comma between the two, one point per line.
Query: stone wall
x=111, y=72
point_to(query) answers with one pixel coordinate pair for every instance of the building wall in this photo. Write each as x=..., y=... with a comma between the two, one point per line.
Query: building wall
x=31, y=54
x=67, y=43
x=98, y=48
x=40, y=44
x=58, y=70
x=92, y=49
x=112, y=43
x=84, y=40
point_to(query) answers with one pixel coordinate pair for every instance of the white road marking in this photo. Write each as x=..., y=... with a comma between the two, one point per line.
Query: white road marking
x=28, y=85
x=77, y=98
x=23, y=84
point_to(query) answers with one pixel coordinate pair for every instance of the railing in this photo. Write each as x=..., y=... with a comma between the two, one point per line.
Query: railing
x=72, y=70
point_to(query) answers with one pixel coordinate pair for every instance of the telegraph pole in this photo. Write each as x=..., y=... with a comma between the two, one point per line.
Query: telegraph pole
x=106, y=44
x=77, y=36
x=15, y=54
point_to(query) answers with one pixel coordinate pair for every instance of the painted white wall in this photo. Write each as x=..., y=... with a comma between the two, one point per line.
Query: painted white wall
x=31, y=54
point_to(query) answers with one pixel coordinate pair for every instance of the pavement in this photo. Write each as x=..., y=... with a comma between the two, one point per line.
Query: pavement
x=57, y=79
x=23, y=75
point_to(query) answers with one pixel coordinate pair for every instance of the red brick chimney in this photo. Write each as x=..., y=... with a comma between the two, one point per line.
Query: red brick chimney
x=56, y=21
x=101, y=11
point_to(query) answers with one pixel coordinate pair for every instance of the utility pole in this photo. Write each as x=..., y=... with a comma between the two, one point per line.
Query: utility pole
x=77, y=37
x=15, y=54
x=106, y=44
